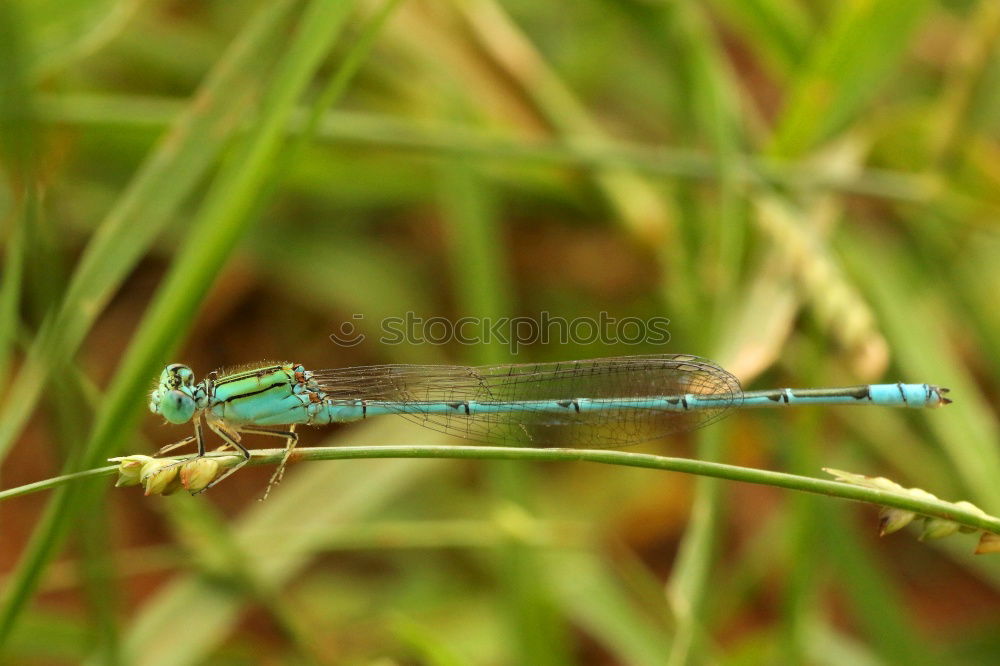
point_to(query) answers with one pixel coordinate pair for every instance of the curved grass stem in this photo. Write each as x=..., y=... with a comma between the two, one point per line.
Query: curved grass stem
x=896, y=500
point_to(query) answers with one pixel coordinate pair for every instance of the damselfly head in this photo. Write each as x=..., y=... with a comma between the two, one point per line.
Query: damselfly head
x=173, y=397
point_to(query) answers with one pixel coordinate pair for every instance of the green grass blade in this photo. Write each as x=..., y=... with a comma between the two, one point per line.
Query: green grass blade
x=166, y=178
x=881, y=609
x=968, y=431
x=11, y=282
x=919, y=503
x=845, y=69
x=19, y=127
x=217, y=555
x=220, y=224
x=204, y=613
x=778, y=30
x=423, y=644
x=81, y=29
x=482, y=290
x=688, y=587
x=48, y=637
x=97, y=570
x=590, y=592
x=381, y=132
x=638, y=205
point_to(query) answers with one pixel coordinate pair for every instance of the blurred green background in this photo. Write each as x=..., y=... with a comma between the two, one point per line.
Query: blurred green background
x=808, y=190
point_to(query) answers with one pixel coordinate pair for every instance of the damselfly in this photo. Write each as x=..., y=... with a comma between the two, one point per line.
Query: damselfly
x=598, y=403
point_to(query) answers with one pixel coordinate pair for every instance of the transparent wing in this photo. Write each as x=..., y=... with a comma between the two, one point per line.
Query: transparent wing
x=413, y=390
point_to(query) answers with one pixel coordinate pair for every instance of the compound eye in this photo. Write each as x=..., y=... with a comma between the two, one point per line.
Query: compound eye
x=177, y=407
x=177, y=375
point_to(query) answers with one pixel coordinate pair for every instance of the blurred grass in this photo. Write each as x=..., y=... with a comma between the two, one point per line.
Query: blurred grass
x=197, y=607
x=482, y=290
x=211, y=238
x=374, y=129
x=148, y=204
x=808, y=191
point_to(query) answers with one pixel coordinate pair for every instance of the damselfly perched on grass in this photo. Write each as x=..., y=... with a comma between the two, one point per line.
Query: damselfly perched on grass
x=598, y=403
